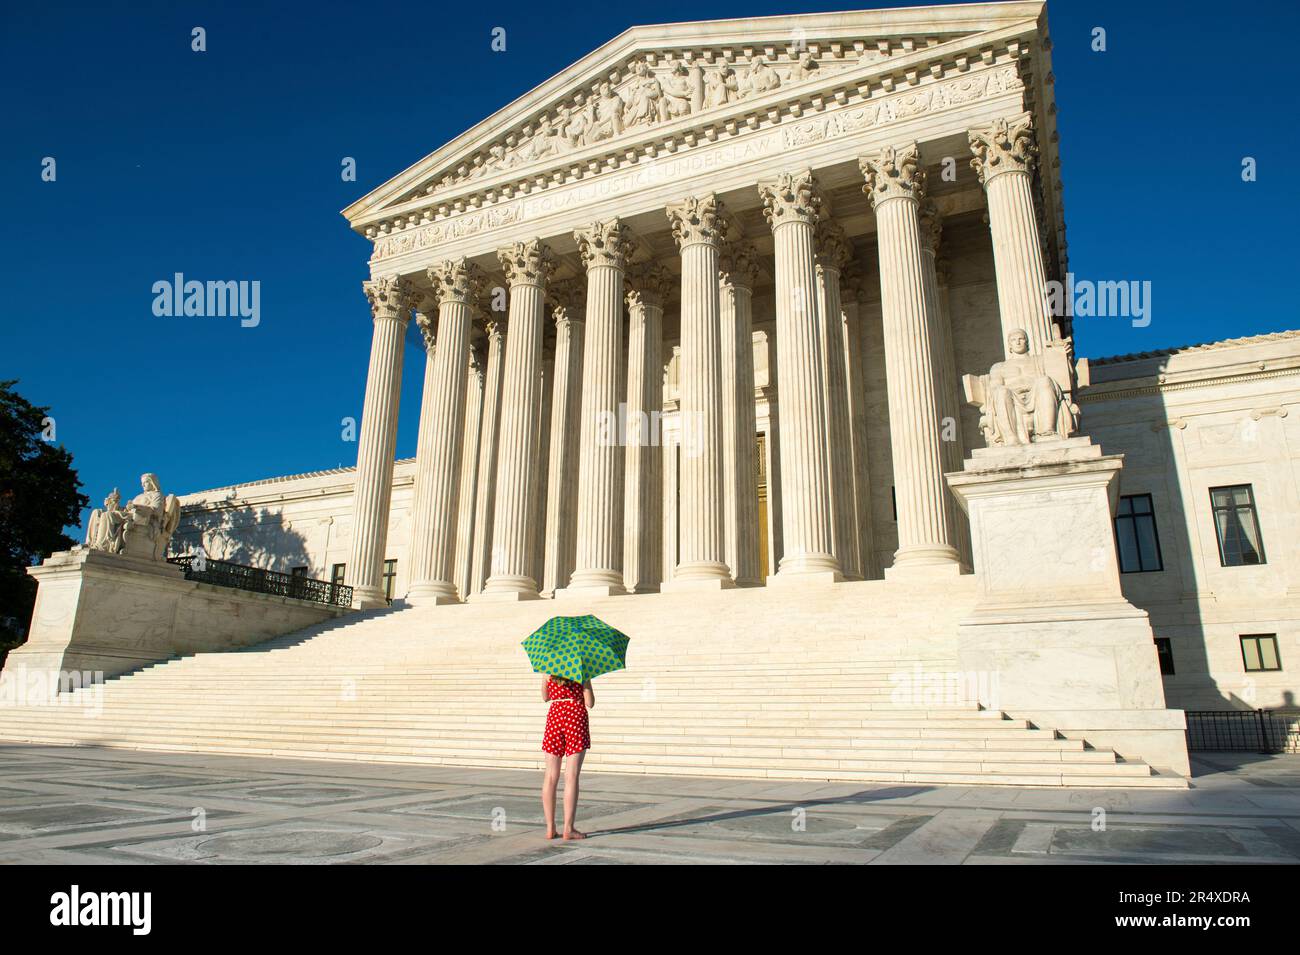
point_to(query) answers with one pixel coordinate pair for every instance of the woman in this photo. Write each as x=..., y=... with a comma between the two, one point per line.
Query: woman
x=567, y=734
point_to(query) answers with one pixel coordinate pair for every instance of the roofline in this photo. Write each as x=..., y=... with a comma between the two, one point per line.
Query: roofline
x=900, y=19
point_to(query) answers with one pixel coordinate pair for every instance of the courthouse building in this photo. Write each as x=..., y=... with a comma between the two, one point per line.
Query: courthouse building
x=753, y=314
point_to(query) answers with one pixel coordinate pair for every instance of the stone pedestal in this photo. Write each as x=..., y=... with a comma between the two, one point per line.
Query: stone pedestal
x=1052, y=628
x=106, y=614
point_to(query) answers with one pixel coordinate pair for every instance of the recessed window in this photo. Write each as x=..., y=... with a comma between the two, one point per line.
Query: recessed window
x=390, y=578
x=337, y=572
x=1236, y=525
x=1165, y=654
x=1135, y=535
x=298, y=571
x=1259, y=653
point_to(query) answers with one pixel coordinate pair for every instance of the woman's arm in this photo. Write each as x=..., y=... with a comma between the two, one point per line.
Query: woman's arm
x=545, y=680
x=588, y=695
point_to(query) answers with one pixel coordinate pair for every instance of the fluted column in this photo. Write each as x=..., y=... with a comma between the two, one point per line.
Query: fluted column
x=699, y=224
x=739, y=266
x=895, y=183
x=561, y=503
x=469, y=467
x=856, y=374
x=391, y=300
x=954, y=445
x=605, y=247
x=648, y=288
x=540, y=471
x=945, y=370
x=1005, y=153
x=456, y=285
x=792, y=205
x=426, y=319
x=495, y=327
x=528, y=267
x=833, y=252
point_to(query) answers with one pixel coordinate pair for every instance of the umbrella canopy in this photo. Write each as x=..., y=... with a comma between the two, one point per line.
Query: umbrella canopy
x=576, y=648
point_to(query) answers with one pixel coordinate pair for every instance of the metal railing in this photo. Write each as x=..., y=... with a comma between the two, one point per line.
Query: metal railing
x=222, y=573
x=1255, y=731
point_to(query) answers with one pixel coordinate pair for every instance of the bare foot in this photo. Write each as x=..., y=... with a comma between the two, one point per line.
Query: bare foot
x=574, y=834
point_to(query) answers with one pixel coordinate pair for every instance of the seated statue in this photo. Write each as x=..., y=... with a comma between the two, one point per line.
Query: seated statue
x=142, y=529
x=104, y=530
x=1026, y=398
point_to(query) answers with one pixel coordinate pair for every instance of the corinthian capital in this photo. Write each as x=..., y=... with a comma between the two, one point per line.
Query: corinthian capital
x=894, y=174
x=428, y=325
x=930, y=223
x=457, y=280
x=738, y=266
x=390, y=297
x=605, y=243
x=568, y=301
x=527, y=263
x=794, y=197
x=1003, y=146
x=648, y=286
x=698, y=219
x=833, y=248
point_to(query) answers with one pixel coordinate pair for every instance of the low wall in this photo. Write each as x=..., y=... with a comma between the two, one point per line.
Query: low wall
x=110, y=613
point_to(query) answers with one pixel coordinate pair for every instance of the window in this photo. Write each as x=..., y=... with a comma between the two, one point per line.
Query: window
x=298, y=571
x=1259, y=652
x=1135, y=535
x=390, y=578
x=1235, y=525
x=337, y=572
x=1165, y=654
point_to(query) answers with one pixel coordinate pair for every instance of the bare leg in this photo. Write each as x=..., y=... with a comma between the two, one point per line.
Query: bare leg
x=549, y=782
x=571, y=795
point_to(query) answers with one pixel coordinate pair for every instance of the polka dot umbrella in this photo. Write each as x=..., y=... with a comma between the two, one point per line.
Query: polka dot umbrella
x=576, y=648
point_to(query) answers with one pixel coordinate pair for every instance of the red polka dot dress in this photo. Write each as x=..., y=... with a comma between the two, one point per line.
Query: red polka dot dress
x=567, y=731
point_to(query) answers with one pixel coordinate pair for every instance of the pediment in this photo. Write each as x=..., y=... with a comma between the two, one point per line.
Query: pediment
x=650, y=84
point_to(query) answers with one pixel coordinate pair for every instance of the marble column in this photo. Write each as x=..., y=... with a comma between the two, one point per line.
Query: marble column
x=851, y=293
x=945, y=373
x=561, y=502
x=469, y=466
x=391, y=300
x=605, y=248
x=833, y=252
x=495, y=327
x=895, y=184
x=456, y=285
x=426, y=319
x=1005, y=152
x=699, y=225
x=540, y=473
x=528, y=267
x=739, y=267
x=792, y=205
x=648, y=289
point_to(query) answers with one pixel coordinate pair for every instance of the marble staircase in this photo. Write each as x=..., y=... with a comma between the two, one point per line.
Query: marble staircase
x=849, y=682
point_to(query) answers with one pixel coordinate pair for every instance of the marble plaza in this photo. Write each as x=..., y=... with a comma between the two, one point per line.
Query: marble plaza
x=737, y=334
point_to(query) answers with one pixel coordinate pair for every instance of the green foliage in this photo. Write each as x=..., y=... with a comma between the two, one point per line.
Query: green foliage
x=40, y=495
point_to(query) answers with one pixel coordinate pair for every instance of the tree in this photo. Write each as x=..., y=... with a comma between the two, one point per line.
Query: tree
x=40, y=495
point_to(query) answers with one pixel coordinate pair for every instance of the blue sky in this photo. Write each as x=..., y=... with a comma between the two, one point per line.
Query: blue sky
x=225, y=165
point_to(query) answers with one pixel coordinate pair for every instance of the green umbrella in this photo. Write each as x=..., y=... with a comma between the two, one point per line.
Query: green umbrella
x=576, y=648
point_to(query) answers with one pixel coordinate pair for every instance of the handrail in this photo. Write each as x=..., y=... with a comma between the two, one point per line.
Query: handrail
x=223, y=573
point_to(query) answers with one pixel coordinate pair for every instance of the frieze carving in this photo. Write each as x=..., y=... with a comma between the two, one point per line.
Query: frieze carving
x=1003, y=146
x=834, y=122
x=895, y=173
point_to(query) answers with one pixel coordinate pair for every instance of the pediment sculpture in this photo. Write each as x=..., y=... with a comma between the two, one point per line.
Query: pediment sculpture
x=141, y=529
x=1026, y=398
